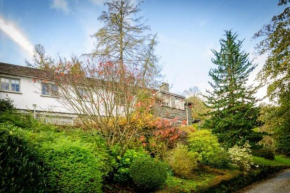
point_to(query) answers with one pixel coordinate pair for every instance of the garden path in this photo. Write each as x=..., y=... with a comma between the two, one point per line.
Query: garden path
x=279, y=183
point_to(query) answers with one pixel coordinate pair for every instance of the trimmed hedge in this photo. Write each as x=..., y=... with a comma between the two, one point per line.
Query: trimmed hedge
x=148, y=173
x=264, y=152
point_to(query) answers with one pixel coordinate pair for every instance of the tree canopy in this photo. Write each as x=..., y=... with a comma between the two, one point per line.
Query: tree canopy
x=276, y=71
x=233, y=114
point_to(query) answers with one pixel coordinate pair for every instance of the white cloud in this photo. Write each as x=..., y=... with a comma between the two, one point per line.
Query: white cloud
x=13, y=32
x=61, y=5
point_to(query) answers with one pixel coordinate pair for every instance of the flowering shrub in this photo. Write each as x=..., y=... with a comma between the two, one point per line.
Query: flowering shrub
x=207, y=145
x=241, y=157
x=159, y=134
x=182, y=161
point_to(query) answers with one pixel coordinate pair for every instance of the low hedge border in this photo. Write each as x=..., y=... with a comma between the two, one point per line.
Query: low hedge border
x=239, y=182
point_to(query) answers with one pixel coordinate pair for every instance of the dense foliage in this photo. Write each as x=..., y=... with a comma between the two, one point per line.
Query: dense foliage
x=207, y=145
x=6, y=105
x=148, y=173
x=124, y=162
x=44, y=158
x=233, y=114
x=182, y=161
x=71, y=166
x=264, y=152
x=276, y=72
x=20, y=165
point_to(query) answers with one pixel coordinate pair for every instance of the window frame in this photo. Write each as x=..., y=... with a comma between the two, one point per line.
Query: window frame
x=10, y=84
x=50, y=93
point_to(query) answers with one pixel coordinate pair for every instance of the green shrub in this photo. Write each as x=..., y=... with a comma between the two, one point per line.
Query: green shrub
x=241, y=157
x=69, y=161
x=17, y=119
x=74, y=161
x=264, y=152
x=207, y=145
x=182, y=161
x=20, y=166
x=283, y=144
x=71, y=166
x=98, y=147
x=148, y=173
x=6, y=105
x=122, y=174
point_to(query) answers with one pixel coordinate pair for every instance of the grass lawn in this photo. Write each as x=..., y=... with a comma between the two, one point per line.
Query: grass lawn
x=278, y=161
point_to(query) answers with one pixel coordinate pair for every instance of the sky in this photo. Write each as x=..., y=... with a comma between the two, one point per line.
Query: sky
x=187, y=30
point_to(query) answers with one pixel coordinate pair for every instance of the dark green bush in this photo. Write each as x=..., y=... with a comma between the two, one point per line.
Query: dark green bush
x=122, y=174
x=148, y=173
x=283, y=144
x=264, y=152
x=17, y=119
x=20, y=167
x=6, y=105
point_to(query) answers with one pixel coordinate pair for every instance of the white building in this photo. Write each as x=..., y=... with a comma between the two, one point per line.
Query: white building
x=30, y=93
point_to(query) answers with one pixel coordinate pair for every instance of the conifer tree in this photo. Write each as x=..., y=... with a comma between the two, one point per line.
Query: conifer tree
x=124, y=39
x=233, y=114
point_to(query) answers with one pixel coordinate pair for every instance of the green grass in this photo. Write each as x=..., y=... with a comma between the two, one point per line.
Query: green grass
x=278, y=161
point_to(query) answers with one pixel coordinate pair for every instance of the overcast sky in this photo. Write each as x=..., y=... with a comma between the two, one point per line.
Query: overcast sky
x=187, y=31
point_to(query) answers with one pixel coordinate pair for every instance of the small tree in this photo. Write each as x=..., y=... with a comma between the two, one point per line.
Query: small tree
x=233, y=112
x=105, y=97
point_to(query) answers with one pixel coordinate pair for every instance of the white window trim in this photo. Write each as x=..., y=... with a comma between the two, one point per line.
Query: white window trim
x=10, y=85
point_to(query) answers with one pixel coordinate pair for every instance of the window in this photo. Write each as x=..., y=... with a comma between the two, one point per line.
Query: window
x=10, y=84
x=49, y=89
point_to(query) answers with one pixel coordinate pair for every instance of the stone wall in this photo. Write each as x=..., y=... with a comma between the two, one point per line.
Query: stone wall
x=171, y=113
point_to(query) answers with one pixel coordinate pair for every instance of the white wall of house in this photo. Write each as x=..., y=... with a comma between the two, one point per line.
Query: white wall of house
x=30, y=93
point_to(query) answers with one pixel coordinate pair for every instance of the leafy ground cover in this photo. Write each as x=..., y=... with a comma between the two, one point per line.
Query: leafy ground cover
x=202, y=179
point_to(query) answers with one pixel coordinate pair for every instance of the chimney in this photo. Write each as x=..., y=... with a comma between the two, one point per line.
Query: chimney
x=164, y=87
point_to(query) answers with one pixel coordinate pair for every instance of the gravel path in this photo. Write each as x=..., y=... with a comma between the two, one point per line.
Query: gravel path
x=277, y=184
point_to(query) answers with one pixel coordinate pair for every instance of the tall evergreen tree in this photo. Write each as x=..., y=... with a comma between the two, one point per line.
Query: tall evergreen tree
x=233, y=114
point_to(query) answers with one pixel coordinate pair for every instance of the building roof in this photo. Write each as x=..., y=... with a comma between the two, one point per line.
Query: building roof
x=23, y=71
